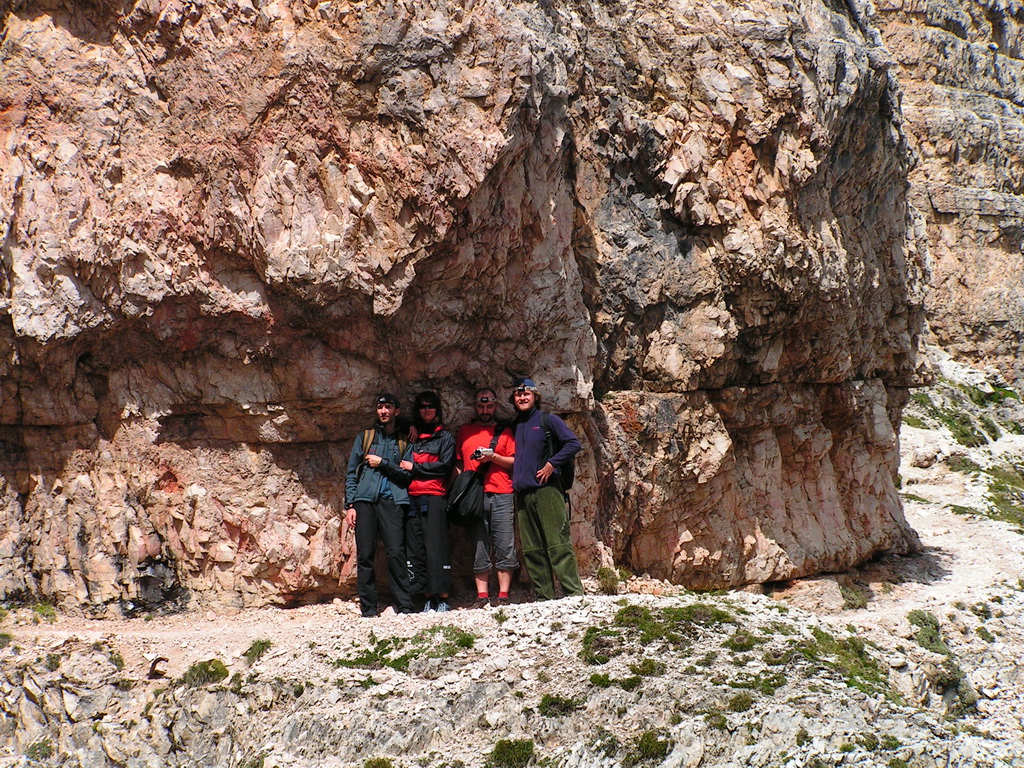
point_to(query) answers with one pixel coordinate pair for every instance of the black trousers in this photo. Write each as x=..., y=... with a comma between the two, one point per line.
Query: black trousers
x=384, y=518
x=427, y=546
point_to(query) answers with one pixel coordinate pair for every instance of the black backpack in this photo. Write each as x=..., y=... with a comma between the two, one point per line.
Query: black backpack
x=567, y=472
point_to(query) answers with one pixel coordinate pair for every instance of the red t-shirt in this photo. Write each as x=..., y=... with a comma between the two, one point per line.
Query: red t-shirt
x=472, y=436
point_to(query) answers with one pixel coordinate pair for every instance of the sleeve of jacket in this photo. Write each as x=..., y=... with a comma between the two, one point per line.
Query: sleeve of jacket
x=445, y=459
x=355, y=459
x=570, y=443
x=394, y=473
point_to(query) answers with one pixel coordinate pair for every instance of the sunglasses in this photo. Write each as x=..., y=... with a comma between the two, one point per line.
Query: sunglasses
x=521, y=390
x=485, y=400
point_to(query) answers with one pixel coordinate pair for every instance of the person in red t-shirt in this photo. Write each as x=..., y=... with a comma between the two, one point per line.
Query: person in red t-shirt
x=497, y=529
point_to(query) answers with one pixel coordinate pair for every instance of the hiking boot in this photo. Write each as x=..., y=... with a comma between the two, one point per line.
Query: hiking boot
x=502, y=602
x=428, y=606
x=369, y=614
x=442, y=606
x=481, y=602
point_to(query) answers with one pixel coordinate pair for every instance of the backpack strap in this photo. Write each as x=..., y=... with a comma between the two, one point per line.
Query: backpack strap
x=368, y=441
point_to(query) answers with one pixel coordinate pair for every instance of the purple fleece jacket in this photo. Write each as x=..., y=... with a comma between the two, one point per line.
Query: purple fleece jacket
x=531, y=448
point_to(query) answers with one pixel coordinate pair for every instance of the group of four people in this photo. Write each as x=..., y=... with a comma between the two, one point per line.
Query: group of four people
x=396, y=489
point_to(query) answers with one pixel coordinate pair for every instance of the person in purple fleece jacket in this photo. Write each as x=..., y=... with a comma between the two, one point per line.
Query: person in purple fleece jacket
x=540, y=501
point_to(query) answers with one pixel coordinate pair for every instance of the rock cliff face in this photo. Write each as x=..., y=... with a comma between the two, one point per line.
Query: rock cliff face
x=226, y=225
x=963, y=82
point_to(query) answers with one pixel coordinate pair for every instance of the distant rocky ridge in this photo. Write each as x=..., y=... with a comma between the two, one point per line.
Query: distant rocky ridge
x=962, y=79
x=225, y=225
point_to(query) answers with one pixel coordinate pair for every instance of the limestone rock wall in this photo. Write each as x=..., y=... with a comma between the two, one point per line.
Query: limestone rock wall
x=962, y=76
x=227, y=224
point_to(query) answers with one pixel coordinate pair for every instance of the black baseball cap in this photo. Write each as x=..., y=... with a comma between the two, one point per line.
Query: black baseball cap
x=386, y=397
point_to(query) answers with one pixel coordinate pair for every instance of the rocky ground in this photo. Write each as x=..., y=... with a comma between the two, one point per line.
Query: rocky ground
x=908, y=661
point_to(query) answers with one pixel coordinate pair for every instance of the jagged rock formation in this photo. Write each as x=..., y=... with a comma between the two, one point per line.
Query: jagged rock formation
x=962, y=78
x=225, y=225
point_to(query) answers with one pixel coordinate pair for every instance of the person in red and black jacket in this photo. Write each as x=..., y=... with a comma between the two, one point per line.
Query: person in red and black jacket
x=429, y=458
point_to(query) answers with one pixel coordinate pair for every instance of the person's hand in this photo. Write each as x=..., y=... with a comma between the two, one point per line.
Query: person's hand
x=374, y=460
x=545, y=472
x=350, y=517
x=406, y=465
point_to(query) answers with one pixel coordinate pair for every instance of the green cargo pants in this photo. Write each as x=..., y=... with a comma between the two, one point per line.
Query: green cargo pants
x=547, y=549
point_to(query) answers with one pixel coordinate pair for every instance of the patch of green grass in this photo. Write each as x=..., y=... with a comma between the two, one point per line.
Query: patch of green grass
x=256, y=761
x=552, y=705
x=913, y=421
x=855, y=597
x=716, y=720
x=40, y=750
x=928, y=636
x=848, y=657
x=256, y=650
x=764, y=682
x=915, y=497
x=600, y=644
x=204, y=673
x=650, y=746
x=45, y=611
x=608, y=580
x=53, y=661
x=600, y=680
x=511, y=753
x=802, y=737
x=956, y=509
x=962, y=464
x=741, y=702
x=989, y=427
x=985, y=635
x=648, y=668
x=116, y=659
x=889, y=742
x=741, y=641
x=378, y=762
x=869, y=741
x=952, y=677
x=440, y=642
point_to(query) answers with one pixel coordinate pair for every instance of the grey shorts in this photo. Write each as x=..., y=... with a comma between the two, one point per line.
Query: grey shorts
x=497, y=529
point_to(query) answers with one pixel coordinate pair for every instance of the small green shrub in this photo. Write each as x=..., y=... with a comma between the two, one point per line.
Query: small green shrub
x=869, y=741
x=985, y=635
x=552, y=705
x=40, y=750
x=802, y=736
x=742, y=640
x=608, y=580
x=256, y=650
x=53, y=661
x=45, y=611
x=116, y=659
x=716, y=720
x=741, y=702
x=511, y=753
x=649, y=747
x=600, y=680
x=854, y=597
x=378, y=762
x=928, y=635
x=500, y=616
x=648, y=668
x=962, y=464
x=204, y=673
x=890, y=742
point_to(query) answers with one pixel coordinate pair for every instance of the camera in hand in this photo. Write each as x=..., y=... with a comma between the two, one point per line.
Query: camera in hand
x=477, y=454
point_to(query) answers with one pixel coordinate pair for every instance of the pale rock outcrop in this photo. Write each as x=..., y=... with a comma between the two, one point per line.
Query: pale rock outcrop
x=227, y=224
x=961, y=74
